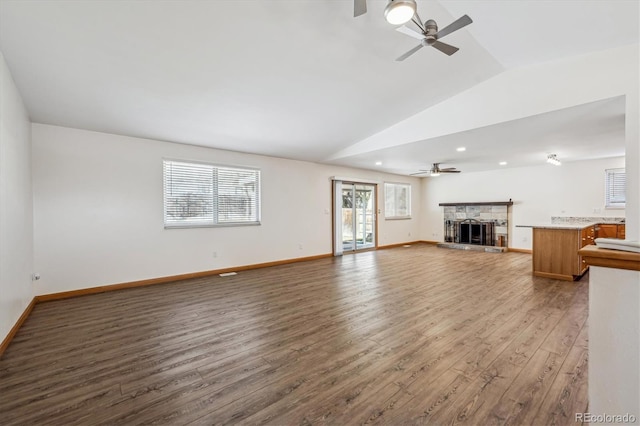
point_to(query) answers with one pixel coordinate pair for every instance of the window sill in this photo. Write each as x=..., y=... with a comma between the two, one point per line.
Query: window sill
x=217, y=225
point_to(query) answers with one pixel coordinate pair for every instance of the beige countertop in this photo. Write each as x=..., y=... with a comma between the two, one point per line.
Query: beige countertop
x=570, y=225
x=566, y=225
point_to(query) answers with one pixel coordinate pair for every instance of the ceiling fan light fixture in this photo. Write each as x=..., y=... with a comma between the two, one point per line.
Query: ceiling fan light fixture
x=435, y=174
x=553, y=159
x=399, y=12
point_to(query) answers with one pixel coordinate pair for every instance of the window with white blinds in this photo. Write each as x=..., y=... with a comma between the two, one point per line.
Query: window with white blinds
x=615, y=188
x=397, y=200
x=199, y=194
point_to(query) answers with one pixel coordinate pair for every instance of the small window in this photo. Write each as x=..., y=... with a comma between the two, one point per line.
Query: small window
x=199, y=194
x=615, y=188
x=397, y=201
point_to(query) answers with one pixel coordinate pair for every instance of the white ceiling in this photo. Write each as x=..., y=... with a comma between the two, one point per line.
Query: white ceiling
x=573, y=134
x=296, y=79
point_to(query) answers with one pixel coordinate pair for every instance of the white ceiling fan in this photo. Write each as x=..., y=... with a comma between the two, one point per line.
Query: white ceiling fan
x=399, y=12
x=430, y=36
x=435, y=170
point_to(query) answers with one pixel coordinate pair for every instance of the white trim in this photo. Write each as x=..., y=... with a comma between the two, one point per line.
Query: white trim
x=355, y=180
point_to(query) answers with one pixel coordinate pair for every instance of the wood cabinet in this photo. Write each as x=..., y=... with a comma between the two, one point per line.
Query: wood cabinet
x=610, y=230
x=588, y=235
x=555, y=252
x=607, y=230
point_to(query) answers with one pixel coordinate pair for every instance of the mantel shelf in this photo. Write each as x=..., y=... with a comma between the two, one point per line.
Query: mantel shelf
x=484, y=203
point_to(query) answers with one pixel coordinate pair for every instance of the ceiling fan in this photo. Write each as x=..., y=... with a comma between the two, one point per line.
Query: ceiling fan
x=430, y=36
x=436, y=170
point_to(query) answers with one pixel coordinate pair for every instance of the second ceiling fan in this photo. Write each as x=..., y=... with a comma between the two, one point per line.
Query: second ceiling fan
x=435, y=170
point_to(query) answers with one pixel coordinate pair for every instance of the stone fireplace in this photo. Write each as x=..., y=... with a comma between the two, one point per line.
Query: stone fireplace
x=476, y=225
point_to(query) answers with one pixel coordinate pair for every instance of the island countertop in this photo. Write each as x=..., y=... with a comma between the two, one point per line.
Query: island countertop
x=566, y=225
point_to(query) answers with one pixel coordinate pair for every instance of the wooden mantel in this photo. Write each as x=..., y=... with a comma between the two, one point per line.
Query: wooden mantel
x=483, y=203
x=596, y=256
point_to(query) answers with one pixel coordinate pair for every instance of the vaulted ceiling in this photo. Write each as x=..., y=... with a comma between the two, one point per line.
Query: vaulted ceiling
x=304, y=79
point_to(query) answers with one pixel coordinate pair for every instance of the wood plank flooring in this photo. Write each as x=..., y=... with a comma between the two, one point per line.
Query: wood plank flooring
x=416, y=335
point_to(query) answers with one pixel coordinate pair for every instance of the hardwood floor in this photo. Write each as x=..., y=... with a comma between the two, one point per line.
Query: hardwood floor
x=415, y=335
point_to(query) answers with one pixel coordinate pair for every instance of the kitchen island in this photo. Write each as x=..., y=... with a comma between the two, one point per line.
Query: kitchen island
x=556, y=245
x=555, y=249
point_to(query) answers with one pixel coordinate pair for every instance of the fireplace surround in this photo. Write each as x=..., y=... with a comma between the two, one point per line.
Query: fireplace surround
x=476, y=224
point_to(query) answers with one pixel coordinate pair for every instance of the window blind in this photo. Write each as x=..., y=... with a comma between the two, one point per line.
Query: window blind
x=199, y=194
x=397, y=200
x=615, y=188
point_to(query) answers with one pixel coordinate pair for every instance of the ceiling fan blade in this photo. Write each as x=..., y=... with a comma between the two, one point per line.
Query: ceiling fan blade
x=449, y=171
x=409, y=53
x=411, y=33
x=454, y=26
x=419, y=173
x=445, y=48
x=359, y=7
x=447, y=168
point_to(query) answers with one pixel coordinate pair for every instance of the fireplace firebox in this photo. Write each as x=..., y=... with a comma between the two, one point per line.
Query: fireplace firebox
x=470, y=231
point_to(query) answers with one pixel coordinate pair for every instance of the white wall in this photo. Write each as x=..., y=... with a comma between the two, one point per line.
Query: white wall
x=614, y=327
x=614, y=295
x=99, y=212
x=16, y=207
x=573, y=189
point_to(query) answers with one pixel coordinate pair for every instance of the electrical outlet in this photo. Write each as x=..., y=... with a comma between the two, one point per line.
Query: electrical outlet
x=35, y=276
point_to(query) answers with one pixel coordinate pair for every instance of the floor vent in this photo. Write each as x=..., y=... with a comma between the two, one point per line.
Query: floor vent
x=228, y=274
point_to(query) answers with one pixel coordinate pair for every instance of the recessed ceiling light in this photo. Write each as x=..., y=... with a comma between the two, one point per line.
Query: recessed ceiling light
x=378, y=163
x=503, y=163
x=461, y=149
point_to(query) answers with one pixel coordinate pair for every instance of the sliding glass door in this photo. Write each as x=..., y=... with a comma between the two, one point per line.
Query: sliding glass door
x=356, y=219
